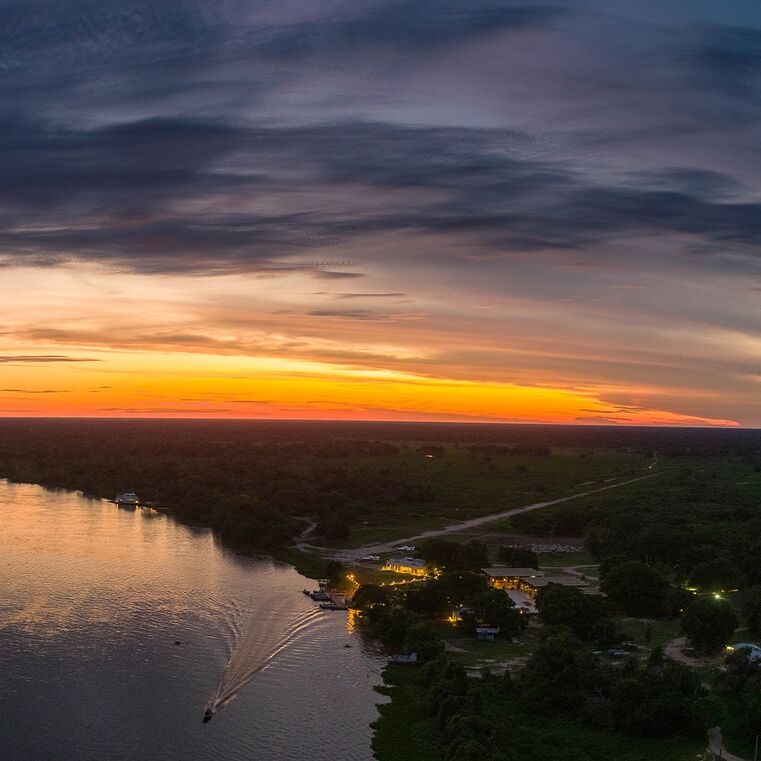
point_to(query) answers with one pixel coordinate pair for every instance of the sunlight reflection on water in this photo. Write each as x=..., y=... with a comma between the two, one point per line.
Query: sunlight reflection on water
x=92, y=601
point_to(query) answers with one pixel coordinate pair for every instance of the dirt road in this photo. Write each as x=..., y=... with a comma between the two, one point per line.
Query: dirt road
x=375, y=549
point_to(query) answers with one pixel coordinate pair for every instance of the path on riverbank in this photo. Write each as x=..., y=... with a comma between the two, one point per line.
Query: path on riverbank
x=675, y=651
x=308, y=531
x=356, y=553
x=716, y=746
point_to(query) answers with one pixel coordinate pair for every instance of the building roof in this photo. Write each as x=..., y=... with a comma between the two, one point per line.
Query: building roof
x=500, y=571
x=565, y=581
x=411, y=562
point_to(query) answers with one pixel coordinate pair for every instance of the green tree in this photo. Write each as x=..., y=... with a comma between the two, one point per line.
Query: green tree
x=334, y=572
x=553, y=676
x=494, y=608
x=587, y=617
x=333, y=527
x=429, y=599
x=454, y=556
x=739, y=668
x=636, y=589
x=647, y=708
x=751, y=718
x=369, y=595
x=447, y=592
x=709, y=624
x=751, y=608
x=716, y=575
x=422, y=639
x=518, y=557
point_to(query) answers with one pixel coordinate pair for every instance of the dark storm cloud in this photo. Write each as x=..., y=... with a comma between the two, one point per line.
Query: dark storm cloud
x=117, y=194
x=704, y=184
x=149, y=136
x=37, y=33
x=118, y=30
x=410, y=24
x=732, y=55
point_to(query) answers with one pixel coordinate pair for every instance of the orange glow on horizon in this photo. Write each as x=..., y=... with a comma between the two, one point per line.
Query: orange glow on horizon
x=84, y=341
x=177, y=385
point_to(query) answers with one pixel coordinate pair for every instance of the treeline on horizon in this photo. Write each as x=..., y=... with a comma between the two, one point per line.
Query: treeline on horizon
x=251, y=481
x=664, y=440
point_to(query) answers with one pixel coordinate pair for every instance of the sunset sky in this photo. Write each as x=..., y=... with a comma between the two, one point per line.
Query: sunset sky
x=476, y=210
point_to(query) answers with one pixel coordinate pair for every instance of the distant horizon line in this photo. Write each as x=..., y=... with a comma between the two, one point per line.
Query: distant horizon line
x=366, y=421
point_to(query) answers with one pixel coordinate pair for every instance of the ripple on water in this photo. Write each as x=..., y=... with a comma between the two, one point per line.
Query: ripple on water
x=92, y=601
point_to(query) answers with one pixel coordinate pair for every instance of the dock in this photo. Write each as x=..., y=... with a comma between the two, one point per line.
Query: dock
x=328, y=599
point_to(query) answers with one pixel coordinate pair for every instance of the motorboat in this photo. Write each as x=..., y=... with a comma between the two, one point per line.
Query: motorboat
x=207, y=715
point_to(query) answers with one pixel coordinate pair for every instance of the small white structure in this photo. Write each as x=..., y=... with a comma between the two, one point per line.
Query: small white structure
x=411, y=658
x=753, y=651
x=487, y=632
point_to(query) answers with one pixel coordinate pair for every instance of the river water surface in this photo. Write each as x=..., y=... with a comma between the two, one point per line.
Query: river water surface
x=93, y=599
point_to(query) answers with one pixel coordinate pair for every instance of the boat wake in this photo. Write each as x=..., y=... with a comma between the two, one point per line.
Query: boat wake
x=256, y=647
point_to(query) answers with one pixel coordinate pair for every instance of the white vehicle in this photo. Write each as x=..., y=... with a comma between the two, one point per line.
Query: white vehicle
x=405, y=548
x=370, y=558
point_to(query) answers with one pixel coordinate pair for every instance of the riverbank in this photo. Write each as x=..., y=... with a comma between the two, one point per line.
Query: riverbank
x=403, y=730
x=309, y=564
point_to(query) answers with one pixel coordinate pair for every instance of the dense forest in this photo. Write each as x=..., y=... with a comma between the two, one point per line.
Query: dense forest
x=252, y=481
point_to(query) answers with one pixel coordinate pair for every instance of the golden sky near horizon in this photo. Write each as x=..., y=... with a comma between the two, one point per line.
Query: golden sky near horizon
x=86, y=341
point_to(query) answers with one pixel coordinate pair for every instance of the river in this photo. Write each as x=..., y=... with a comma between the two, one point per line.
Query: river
x=94, y=598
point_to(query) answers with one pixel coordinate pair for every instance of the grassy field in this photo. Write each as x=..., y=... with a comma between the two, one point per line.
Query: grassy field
x=564, y=559
x=734, y=740
x=471, y=651
x=661, y=630
x=464, y=485
x=691, y=490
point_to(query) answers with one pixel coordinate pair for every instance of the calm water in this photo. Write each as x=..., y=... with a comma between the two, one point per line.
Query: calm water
x=92, y=600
